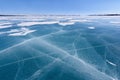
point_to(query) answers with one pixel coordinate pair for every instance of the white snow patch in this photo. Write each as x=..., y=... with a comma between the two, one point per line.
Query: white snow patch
x=20, y=32
x=5, y=23
x=36, y=23
x=111, y=63
x=91, y=27
x=66, y=23
x=54, y=21
x=5, y=26
x=71, y=22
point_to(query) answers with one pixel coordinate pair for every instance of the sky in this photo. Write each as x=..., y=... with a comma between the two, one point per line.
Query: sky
x=59, y=6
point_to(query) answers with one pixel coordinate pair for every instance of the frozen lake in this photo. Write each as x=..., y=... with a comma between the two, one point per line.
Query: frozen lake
x=59, y=48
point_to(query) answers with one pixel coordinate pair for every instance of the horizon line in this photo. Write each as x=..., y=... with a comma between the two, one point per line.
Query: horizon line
x=102, y=14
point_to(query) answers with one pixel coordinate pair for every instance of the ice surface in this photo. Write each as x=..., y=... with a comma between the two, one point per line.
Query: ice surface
x=59, y=48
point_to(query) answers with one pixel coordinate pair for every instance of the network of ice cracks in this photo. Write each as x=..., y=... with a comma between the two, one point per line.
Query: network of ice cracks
x=59, y=48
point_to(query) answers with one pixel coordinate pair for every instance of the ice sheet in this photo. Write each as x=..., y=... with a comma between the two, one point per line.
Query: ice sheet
x=59, y=48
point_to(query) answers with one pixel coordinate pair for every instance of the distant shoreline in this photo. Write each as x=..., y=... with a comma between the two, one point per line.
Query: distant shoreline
x=104, y=15
x=64, y=15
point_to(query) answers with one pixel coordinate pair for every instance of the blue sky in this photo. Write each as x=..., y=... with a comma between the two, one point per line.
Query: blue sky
x=59, y=6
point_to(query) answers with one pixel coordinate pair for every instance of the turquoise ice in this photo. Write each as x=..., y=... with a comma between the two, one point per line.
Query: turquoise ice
x=59, y=48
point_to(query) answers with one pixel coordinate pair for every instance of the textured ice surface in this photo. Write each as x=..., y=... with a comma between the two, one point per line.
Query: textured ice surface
x=59, y=48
